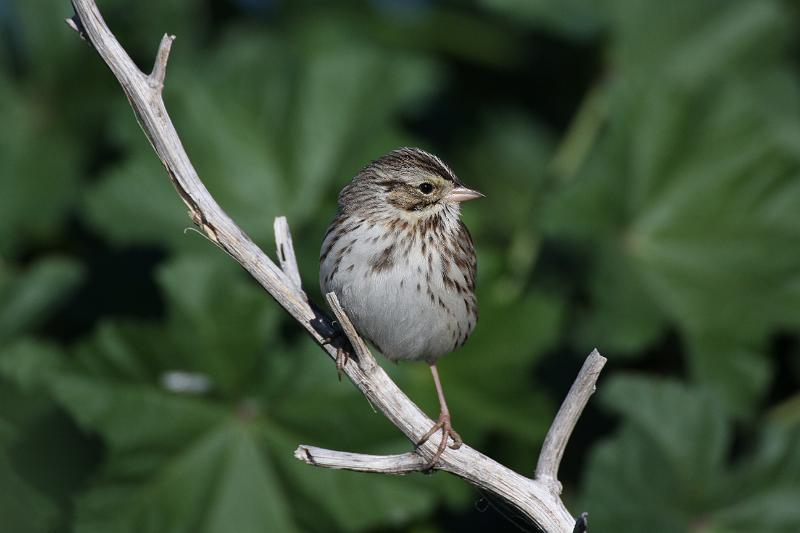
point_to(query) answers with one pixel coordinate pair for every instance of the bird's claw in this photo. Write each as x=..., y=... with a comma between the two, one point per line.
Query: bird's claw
x=443, y=425
x=342, y=358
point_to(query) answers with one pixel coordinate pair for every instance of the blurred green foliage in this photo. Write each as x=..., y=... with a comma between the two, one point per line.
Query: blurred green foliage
x=641, y=162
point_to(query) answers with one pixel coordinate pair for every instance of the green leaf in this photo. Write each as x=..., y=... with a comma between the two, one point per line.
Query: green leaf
x=771, y=511
x=178, y=463
x=219, y=321
x=764, y=486
x=125, y=350
x=30, y=363
x=506, y=159
x=29, y=297
x=99, y=405
x=24, y=507
x=43, y=458
x=624, y=318
x=735, y=372
x=666, y=468
x=673, y=444
x=691, y=188
x=250, y=494
x=685, y=425
x=37, y=190
x=136, y=202
x=618, y=473
x=696, y=41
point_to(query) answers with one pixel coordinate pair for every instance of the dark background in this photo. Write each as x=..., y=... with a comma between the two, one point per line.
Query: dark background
x=641, y=162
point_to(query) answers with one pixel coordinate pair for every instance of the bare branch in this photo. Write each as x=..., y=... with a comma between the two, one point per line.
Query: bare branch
x=160, y=65
x=285, y=252
x=567, y=417
x=365, y=358
x=75, y=23
x=535, y=499
x=403, y=463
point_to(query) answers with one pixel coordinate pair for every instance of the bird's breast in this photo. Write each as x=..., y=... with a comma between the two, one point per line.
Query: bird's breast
x=401, y=285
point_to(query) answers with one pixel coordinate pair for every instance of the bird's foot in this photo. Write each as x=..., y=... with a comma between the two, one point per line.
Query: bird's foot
x=342, y=358
x=443, y=425
x=337, y=339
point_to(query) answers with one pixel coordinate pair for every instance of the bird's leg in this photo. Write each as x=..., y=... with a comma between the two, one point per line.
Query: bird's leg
x=342, y=358
x=442, y=424
x=336, y=339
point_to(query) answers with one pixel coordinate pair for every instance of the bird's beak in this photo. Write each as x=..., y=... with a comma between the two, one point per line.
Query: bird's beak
x=462, y=194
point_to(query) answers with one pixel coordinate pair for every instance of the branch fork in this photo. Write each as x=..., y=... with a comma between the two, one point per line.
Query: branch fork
x=537, y=498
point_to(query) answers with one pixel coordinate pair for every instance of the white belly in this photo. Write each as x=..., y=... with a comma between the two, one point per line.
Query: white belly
x=395, y=296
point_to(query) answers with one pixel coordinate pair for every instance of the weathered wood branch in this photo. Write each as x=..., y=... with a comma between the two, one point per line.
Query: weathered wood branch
x=558, y=435
x=403, y=463
x=537, y=499
x=285, y=252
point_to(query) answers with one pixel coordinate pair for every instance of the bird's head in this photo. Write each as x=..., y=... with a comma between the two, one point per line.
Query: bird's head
x=410, y=180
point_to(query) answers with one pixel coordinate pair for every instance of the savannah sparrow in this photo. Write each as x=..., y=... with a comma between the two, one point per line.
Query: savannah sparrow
x=403, y=265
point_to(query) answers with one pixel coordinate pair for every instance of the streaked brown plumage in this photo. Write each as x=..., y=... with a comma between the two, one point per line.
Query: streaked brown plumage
x=403, y=265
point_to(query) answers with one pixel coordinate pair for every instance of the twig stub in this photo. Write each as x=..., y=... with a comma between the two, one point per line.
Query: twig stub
x=403, y=463
x=571, y=408
x=75, y=23
x=159, y=72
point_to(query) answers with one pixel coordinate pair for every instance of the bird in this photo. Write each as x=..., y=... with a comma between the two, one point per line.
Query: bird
x=403, y=265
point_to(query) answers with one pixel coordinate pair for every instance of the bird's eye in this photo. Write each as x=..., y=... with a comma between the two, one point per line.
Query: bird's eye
x=425, y=188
